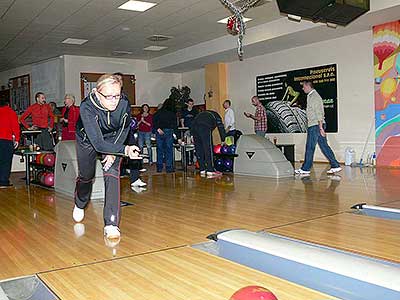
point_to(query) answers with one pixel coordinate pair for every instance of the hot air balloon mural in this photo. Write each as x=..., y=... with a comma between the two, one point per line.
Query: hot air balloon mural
x=386, y=40
x=387, y=93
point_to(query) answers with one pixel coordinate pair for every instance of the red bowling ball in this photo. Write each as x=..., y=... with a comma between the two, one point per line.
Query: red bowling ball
x=217, y=149
x=253, y=292
x=49, y=179
x=49, y=160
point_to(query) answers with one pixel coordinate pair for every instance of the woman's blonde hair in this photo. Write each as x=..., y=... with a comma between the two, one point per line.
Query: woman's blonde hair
x=107, y=79
x=70, y=96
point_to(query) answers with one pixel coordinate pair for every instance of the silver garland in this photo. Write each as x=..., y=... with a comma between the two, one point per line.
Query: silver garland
x=240, y=25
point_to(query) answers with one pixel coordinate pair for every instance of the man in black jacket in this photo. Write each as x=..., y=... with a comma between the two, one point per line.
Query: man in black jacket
x=202, y=127
x=102, y=129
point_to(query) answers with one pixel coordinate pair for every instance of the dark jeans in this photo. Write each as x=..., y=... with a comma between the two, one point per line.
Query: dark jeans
x=134, y=167
x=204, y=148
x=6, y=156
x=165, y=150
x=86, y=155
x=313, y=137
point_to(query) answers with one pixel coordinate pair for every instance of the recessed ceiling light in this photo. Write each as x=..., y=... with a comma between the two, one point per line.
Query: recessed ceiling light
x=224, y=21
x=125, y=28
x=155, y=48
x=122, y=52
x=73, y=41
x=137, y=5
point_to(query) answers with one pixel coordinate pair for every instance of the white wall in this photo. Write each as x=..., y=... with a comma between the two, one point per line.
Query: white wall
x=151, y=87
x=354, y=58
x=196, y=81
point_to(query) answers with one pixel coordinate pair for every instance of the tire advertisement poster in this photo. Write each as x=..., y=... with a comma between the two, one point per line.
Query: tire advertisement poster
x=285, y=102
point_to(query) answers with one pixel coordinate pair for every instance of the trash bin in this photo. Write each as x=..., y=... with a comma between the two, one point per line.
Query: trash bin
x=349, y=156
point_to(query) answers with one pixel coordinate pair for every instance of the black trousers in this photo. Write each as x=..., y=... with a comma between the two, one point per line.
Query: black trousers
x=6, y=156
x=45, y=140
x=204, y=147
x=87, y=156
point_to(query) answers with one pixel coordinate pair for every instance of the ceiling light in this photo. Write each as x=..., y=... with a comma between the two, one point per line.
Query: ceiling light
x=73, y=41
x=155, y=48
x=294, y=18
x=225, y=20
x=137, y=5
x=122, y=52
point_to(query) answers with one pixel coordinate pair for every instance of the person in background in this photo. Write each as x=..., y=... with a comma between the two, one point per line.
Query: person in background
x=42, y=119
x=70, y=115
x=135, y=165
x=165, y=125
x=145, y=127
x=9, y=140
x=102, y=129
x=260, y=117
x=54, y=108
x=316, y=132
x=202, y=128
x=188, y=114
x=229, y=119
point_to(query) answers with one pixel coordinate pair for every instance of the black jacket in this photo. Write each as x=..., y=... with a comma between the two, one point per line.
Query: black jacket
x=209, y=120
x=165, y=119
x=105, y=130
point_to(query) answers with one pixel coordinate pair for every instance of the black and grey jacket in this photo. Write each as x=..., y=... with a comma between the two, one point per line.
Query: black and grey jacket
x=209, y=119
x=105, y=130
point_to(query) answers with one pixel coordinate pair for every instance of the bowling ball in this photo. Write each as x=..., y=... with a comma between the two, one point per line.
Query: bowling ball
x=41, y=159
x=232, y=149
x=42, y=177
x=229, y=140
x=253, y=292
x=228, y=165
x=49, y=179
x=224, y=149
x=217, y=149
x=49, y=160
x=219, y=164
x=38, y=158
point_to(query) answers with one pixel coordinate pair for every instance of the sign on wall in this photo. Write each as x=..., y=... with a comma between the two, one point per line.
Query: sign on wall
x=285, y=102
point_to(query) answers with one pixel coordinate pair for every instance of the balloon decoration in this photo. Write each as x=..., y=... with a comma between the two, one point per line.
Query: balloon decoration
x=388, y=88
x=387, y=37
x=235, y=24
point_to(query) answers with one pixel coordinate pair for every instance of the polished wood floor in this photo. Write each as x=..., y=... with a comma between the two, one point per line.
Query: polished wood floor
x=37, y=234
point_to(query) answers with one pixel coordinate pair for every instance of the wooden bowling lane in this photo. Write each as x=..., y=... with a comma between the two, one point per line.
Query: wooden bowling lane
x=177, y=274
x=361, y=234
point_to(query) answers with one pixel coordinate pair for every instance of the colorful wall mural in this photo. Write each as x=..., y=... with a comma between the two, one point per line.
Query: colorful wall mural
x=387, y=93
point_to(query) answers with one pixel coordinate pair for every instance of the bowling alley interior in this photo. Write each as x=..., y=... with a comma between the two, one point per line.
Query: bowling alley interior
x=200, y=149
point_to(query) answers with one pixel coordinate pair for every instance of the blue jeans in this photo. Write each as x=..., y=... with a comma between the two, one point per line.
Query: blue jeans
x=165, y=150
x=145, y=138
x=313, y=137
x=260, y=133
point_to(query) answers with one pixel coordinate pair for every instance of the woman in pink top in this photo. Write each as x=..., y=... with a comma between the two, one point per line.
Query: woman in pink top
x=145, y=129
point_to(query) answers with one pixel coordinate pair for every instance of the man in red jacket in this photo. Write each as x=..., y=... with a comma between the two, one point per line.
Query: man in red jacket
x=42, y=119
x=9, y=137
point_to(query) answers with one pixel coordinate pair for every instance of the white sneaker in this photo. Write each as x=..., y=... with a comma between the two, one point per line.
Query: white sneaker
x=203, y=172
x=301, y=171
x=112, y=232
x=334, y=170
x=78, y=214
x=214, y=174
x=139, y=183
x=143, y=170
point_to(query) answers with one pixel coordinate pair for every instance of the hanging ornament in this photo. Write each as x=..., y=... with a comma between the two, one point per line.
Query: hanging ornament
x=232, y=26
x=237, y=25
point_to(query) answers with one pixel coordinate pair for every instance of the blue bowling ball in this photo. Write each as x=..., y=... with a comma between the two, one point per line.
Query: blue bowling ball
x=219, y=164
x=228, y=164
x=225, y=149
x=232, y=149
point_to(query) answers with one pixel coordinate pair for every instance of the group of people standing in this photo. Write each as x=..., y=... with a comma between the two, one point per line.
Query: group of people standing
x=103, y=126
